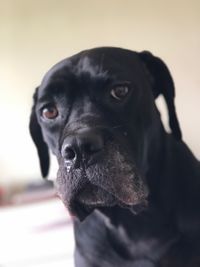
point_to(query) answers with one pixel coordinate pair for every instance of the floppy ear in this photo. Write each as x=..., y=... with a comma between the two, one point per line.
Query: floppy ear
x=163, y=85
x=36, y=134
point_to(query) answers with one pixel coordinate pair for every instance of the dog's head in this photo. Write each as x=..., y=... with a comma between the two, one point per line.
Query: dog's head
x=96, y=112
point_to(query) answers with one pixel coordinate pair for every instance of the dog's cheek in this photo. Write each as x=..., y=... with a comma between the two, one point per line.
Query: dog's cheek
x=116, y=175
x=128, y=189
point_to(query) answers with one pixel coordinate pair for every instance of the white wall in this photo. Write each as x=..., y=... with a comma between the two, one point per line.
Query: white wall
x=36, y=34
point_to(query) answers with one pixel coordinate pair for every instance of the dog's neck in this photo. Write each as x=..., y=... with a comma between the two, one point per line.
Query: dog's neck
x=153, y=237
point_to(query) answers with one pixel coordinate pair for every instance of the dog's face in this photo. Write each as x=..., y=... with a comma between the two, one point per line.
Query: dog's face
x=96, y=113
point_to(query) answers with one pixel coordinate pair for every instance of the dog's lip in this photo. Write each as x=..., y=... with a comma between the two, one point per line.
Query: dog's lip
x=135, y=208
x=92, y=203
x=82, y=209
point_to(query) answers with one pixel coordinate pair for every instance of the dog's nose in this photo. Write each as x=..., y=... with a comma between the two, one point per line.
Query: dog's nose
x=82, y=145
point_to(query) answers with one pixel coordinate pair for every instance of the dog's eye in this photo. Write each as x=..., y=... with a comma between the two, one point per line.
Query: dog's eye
x=50, y=112
x=119, y=92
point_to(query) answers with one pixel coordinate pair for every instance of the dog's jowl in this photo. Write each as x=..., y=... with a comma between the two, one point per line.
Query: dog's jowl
x=133, y=188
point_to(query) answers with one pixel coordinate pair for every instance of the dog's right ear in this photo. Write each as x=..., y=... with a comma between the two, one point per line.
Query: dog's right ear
x=163, y=85
x=36, y=134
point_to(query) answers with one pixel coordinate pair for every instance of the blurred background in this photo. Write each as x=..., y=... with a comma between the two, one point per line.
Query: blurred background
x=34, y=35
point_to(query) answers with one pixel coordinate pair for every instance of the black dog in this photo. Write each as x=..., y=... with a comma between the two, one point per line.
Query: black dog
x=134, y=189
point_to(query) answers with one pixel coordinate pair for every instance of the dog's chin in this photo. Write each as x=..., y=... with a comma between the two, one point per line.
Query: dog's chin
x=80, y=211
x=89, y=199
x=93, y=198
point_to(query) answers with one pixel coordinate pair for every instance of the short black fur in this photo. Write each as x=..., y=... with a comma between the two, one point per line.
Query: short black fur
x=133, y=188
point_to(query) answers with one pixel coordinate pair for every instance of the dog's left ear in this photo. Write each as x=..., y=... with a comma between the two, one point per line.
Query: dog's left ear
x=163, y=85
x=36, y=134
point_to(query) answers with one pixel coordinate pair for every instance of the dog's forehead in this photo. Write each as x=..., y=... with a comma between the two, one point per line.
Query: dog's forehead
x=106, y=60
x=88, y=65
x=120, y=64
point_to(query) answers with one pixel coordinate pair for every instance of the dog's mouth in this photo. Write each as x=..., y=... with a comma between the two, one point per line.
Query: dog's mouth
x=86, y=203
x=93, y=197
x=112, y=181
x=86, y=200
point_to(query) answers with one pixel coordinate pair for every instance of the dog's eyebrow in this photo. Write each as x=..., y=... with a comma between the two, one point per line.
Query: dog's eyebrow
x=45, y=98
x=55, y=88
x=120, y=82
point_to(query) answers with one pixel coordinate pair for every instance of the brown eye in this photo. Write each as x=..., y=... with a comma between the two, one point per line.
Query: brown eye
x=119, y=92
x=50, y=112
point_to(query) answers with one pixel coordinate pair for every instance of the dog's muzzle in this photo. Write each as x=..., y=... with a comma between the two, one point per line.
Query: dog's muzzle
x=81, y=149
x=96, y=171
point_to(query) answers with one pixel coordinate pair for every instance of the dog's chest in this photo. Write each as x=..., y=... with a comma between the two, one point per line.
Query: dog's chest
x=144, y=251
x=100, y=245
